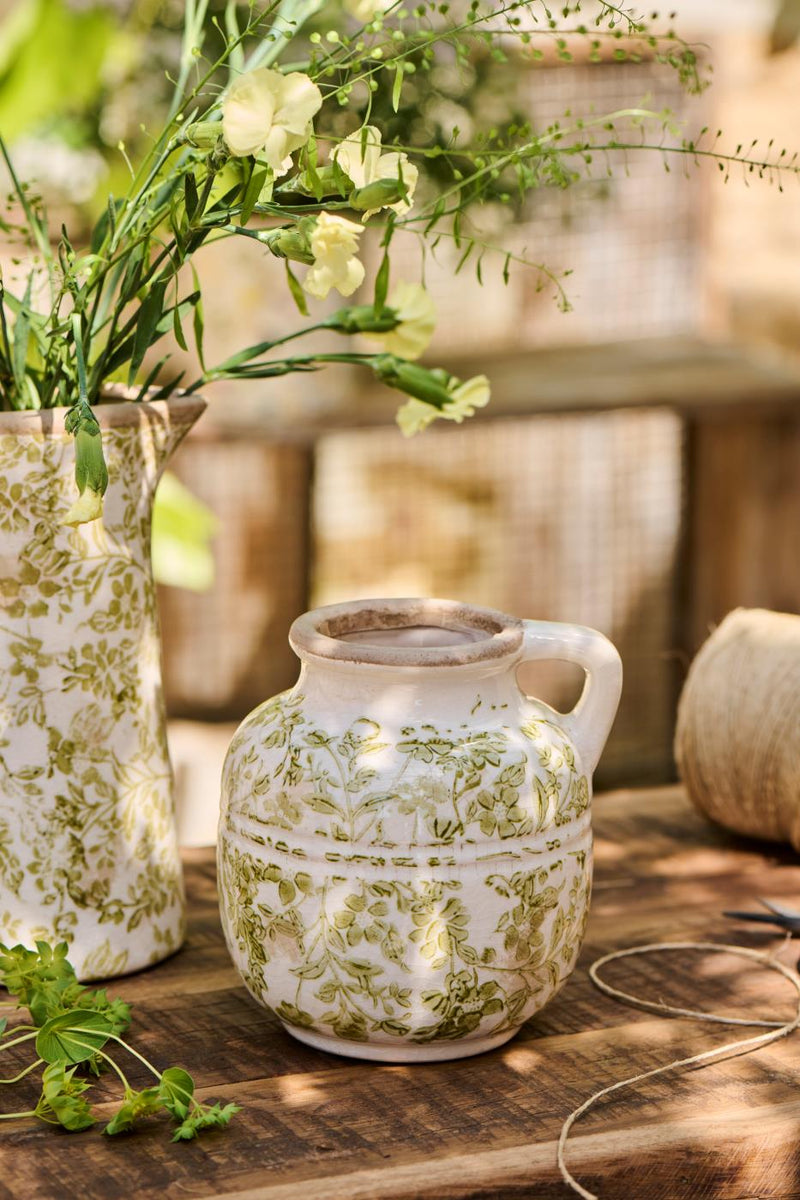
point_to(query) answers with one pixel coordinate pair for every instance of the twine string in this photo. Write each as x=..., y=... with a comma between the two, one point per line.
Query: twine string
x=776, y=1030
x=737, y=738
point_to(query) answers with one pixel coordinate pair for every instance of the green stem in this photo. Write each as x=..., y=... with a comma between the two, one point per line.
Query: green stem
x=280, y=366
x=31, y=1112
x=18, y=1041
x=25, y=1071
x=135, y=1054
x=107, y=1058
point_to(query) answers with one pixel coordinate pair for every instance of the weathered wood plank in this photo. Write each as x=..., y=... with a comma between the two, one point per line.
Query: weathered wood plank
x=314, y=1125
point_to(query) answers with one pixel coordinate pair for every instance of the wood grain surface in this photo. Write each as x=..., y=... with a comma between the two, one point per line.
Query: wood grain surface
x=316, y=1127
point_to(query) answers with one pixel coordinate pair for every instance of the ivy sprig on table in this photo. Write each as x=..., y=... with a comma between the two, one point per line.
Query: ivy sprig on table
x=72, y=1031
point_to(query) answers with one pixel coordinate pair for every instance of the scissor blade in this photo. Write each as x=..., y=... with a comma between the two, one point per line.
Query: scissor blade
x=761, y=918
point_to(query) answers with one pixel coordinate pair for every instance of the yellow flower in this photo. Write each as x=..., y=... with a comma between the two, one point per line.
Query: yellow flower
x=466, y=397
x=416, y=315
x=334, y=242
x=88, y=507
x=416, y=415
x=364, y=164
x=365, y=10
x=269, y=114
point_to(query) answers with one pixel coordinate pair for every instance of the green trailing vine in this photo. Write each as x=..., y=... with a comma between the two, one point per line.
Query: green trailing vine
x=74, y=1035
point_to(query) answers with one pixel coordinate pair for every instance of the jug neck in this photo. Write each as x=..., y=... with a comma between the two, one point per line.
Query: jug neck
x=409, y=656
x=407, y=635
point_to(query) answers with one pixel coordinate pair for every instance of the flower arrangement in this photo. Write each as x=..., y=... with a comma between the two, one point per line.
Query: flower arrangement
x=245, y=151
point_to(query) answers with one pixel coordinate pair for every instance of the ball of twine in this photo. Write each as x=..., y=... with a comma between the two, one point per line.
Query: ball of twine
x=737, y=742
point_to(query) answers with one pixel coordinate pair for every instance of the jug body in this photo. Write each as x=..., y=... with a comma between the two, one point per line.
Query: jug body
x=405, y=841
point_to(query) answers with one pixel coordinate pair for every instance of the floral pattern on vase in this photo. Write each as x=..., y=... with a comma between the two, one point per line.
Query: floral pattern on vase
x=401, y=889
x=88, y=849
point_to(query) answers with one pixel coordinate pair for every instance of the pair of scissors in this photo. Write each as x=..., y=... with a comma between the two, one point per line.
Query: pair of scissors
x=777, y=914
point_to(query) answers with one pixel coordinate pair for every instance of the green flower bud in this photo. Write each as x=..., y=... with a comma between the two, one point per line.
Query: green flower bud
x=363, y=318
x=204, y=134
x=90, y=464
x=91, y=473
x=329, y=181
x=292, y=243
x=378, y=194
x=420, y=382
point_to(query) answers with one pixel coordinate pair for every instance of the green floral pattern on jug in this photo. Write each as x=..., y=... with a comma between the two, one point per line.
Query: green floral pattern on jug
x=87, y=836
x=445, y=784
x=424, y=884
x=393, y=958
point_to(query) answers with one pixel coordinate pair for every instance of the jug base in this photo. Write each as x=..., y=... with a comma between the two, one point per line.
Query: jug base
x=414, y=1053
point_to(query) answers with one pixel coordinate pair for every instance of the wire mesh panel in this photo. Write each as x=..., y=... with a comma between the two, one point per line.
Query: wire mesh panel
x=571, y=518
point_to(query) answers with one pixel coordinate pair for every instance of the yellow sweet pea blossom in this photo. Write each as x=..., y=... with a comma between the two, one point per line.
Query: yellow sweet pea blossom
x=466, y=397
x=88, y=507
x=364, y=164
x=416, y=415
x=366, y=10
x=269, y=114
x=416, y=315
x=334, y=242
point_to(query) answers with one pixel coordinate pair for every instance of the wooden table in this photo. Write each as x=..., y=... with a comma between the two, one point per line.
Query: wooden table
x=315, y=1127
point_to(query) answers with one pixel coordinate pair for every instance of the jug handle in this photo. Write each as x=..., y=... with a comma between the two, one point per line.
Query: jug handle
x=589, y=723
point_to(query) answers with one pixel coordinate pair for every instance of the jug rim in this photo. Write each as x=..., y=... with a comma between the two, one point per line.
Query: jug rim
x=323, y=632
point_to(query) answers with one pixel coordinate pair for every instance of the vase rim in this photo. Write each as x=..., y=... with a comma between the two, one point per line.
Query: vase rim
x=118, y=409
x=438, y=633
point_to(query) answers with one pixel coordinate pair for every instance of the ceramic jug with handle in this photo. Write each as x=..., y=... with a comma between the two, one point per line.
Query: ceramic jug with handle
x=405, y=846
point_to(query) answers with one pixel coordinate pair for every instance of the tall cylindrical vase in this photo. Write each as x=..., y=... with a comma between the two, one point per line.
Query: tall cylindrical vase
x=88, y=847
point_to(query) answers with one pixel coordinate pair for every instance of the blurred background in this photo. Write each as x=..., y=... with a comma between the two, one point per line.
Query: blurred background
x=639, y=467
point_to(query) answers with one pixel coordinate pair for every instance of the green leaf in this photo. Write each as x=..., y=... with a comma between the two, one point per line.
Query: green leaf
x=204, y=1118
x=176, y=1090
x=134, y=1107
x=191, y=197
x=177, y=328
x=116, y=1011
x=73, y=1037
x=259, y=177
x=151, y=377
x=38, y=978
x=133, y=270
x=198, y=318
x=21, y=331
x=106, y=224
x=62, y=1096
x=149, y=316
x=298, y=295
x=382, y=283
x=311, y=173
x=397, y=86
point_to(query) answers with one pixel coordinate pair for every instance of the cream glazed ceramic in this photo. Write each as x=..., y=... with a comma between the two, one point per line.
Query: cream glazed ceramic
x=88, y=847
x=405, y=841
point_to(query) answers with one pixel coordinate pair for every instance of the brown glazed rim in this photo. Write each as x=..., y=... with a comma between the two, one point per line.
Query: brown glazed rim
x=318, y=634
x=121, y=412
